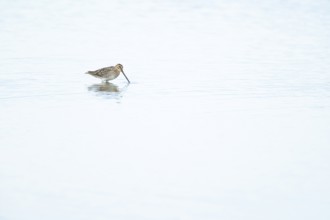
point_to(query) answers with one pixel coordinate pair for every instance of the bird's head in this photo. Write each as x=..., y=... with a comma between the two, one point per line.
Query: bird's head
x=120, y=67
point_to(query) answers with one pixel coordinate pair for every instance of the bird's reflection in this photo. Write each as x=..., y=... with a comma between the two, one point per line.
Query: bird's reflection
x=108, y=90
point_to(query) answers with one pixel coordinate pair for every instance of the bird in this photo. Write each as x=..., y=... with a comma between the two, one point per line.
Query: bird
x=108, y=73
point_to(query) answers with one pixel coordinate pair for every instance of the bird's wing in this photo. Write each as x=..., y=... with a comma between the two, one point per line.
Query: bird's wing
x=102, y=71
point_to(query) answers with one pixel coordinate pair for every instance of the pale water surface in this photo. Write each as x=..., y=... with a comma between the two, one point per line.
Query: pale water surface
x=227, y=115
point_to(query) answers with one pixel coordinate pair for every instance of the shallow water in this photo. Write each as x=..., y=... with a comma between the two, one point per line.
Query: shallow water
x=227, y=115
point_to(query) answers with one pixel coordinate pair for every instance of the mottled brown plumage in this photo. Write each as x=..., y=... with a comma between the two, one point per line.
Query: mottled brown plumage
x=108, y=73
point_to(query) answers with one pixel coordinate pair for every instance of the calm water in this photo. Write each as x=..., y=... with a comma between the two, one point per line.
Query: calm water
x=227, y=115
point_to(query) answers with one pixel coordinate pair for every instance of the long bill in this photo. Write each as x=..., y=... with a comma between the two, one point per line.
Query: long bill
x=125, y=76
